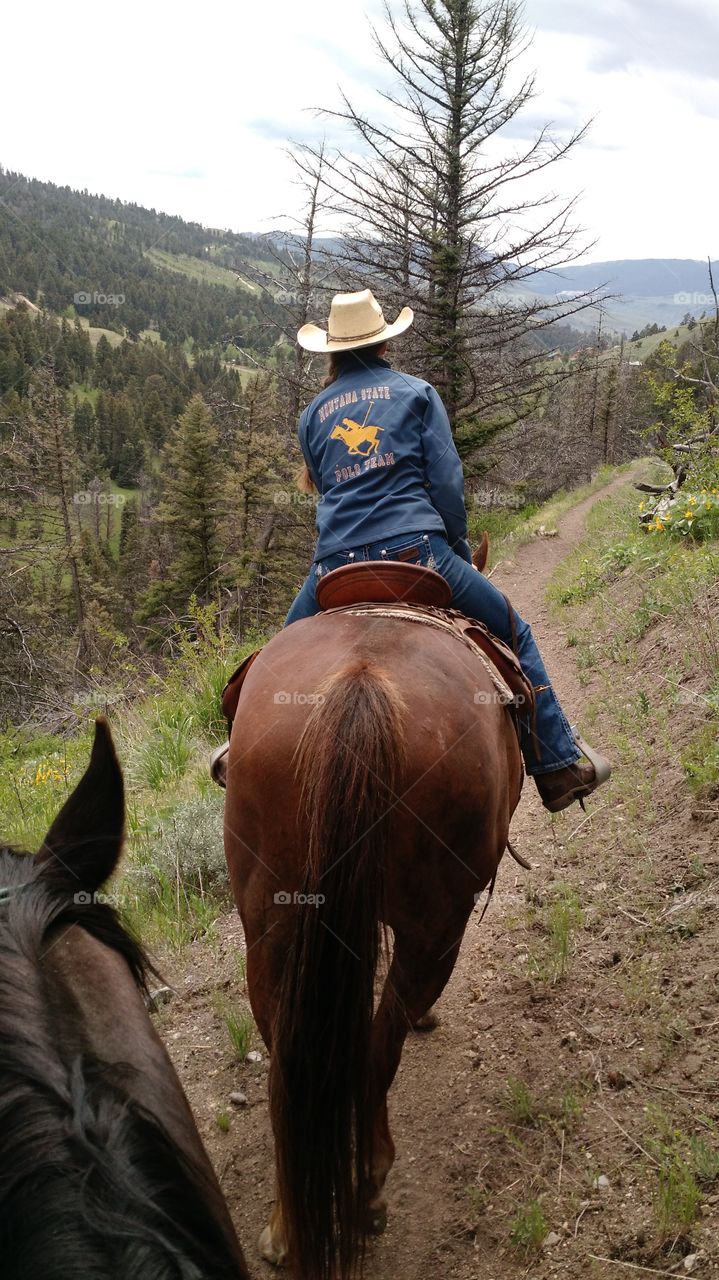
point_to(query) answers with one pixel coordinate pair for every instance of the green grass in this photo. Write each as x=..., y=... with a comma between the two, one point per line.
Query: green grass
x=239, y=1025
x=521, y=1105
x=112, y=337
x=37, y=773
x=681, y=1163
x=529, y=1228
x=664, y=575
x=565, y=918
x=165, y=912
x=644, y=347
x=172, y=884
x=700, y=759
x=560, y=922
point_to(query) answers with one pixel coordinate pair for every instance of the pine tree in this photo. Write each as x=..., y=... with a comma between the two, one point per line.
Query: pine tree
x=192, y=508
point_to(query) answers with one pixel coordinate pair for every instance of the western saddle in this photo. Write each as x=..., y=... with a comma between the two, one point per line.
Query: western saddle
x=413, y=594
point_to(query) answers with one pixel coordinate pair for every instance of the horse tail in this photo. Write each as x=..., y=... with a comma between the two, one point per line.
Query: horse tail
x=349, y=761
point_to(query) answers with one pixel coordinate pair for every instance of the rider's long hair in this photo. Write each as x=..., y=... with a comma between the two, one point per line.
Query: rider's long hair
x=340, y=361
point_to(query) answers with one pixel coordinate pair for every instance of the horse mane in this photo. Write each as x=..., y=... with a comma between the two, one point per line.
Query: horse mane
x=91, y=1183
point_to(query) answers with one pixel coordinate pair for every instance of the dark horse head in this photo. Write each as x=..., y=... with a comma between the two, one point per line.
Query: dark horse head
x=102, y=1171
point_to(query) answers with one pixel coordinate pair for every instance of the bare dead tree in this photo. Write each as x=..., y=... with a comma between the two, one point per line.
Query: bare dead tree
x=433, y=212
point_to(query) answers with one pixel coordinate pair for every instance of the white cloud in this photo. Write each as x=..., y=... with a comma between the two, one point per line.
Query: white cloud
x=187, y=108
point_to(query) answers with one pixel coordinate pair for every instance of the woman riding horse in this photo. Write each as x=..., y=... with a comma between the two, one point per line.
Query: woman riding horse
x=379, y=450
x=375, y=797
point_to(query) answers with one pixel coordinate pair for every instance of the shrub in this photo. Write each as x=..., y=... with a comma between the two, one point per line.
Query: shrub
x=187, y=846
x=690, y=514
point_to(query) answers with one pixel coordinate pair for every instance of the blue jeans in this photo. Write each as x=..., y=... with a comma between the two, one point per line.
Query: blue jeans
x=474, y=595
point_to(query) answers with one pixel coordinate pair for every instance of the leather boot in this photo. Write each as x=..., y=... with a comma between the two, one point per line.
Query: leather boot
x=562, y=787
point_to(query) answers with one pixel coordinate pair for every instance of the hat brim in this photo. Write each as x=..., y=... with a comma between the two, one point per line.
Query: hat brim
x=312, y=338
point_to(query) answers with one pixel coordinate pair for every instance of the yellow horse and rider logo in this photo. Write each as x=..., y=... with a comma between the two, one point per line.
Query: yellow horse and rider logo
x=355, y=434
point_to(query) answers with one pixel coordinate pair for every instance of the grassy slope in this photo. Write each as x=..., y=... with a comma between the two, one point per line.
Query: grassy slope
x=641, y=615
x=199, y=269
x=95, y=333
x=174, y=869
x=643, y=347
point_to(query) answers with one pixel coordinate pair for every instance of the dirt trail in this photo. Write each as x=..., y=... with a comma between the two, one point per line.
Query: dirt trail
x=459, y=1174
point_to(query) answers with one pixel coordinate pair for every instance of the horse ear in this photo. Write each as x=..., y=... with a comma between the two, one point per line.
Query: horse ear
x=83, y=845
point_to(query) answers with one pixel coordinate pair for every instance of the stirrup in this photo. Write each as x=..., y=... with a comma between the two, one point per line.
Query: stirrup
x=218, y=765
x=602, y=767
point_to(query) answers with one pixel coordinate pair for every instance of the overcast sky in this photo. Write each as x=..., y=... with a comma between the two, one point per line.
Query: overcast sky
x=187, y=108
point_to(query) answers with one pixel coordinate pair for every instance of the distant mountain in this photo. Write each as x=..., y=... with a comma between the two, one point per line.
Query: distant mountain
x=647, y=290
x=133, y=270
x=632, y=277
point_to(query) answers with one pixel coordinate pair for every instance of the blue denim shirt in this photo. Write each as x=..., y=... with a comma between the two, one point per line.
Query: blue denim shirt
x=379, y=448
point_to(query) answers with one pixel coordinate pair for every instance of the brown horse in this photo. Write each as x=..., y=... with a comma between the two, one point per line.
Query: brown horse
x=371, y=780
x=102, y=1171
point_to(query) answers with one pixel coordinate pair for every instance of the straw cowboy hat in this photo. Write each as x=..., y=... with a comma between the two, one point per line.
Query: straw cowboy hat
x=356, y=320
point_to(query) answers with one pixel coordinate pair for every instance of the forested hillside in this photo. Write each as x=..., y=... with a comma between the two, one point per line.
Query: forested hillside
x=131, y=269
